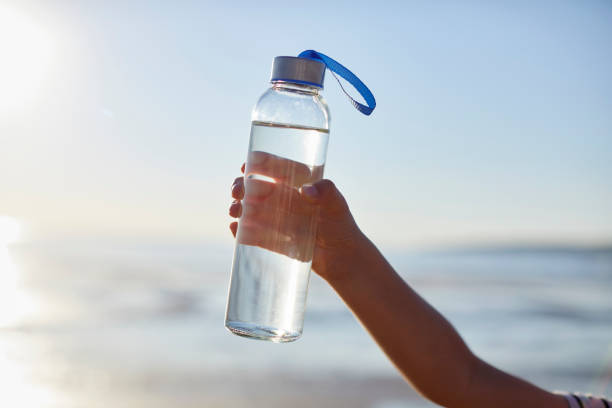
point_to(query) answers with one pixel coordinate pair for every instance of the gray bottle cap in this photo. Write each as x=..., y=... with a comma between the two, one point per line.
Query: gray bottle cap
x=298, y=70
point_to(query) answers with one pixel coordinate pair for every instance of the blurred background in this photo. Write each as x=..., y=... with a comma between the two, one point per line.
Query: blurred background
x=485, y=176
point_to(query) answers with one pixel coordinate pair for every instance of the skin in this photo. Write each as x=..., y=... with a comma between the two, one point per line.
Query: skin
x=420, y=342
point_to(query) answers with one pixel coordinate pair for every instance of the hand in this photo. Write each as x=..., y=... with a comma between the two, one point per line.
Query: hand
x=279, y=214
x=283, y=215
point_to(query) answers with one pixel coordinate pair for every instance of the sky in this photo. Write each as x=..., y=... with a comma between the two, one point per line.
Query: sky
x=131, y=119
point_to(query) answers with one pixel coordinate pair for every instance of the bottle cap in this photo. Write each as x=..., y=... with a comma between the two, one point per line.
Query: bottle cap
x=298, y=70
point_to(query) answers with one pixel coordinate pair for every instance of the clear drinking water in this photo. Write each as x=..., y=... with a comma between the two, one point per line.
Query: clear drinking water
x=276, y=230
x=275, y=238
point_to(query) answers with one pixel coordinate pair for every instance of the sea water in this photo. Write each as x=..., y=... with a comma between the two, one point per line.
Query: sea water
x=276, y=232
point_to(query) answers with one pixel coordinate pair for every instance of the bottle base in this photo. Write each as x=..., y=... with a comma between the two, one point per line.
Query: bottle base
x=253, y=331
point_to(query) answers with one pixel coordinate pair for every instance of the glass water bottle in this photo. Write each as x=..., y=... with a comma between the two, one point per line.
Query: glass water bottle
x=276, y=230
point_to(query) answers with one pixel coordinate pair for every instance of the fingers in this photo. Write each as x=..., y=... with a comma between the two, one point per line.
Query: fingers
x=258, y=190
x=325, y=194
x=285, y=218
x=289, y=235
x=273, y=213
x=238, y=188
x=275, y=216
x=235, y=210
x=274, y=198
x=280, y=169
x=297, y=246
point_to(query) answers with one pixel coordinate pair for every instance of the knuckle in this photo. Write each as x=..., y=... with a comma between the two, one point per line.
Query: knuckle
x=326, y=187
x=328, y=183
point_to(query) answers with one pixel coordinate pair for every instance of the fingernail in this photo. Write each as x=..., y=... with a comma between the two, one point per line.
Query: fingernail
x=310, y=191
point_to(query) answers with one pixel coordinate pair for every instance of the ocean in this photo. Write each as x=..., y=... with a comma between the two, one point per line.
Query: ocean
x=85, y=324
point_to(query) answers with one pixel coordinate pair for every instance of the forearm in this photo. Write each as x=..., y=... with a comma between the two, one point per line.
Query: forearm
x=418, y=340
x=422, y=344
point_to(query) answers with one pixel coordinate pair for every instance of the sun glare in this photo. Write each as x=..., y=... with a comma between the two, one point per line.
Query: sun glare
x=18, y=389
x=26, y=53
x=14, y=302
x=10, y=230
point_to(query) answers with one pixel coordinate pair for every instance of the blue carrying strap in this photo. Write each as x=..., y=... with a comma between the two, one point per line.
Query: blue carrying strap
x=336, y=68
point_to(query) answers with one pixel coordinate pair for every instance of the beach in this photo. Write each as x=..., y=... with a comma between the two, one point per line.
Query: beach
x=128, y=325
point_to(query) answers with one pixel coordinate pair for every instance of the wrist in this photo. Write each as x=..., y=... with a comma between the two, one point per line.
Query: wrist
x=351, y=262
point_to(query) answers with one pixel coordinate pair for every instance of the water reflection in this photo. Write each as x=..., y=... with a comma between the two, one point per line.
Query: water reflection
x=142, y=326
x=13, y=300
x=17, y=386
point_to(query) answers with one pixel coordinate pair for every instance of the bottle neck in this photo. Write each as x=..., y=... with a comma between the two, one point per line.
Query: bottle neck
x=293, y=87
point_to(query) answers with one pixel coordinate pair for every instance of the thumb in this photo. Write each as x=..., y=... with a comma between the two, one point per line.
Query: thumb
x=326, y=195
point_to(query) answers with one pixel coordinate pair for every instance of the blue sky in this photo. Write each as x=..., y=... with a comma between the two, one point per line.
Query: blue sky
x=493, y=122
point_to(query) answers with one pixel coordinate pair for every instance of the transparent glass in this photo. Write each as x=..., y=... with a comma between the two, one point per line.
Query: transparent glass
x=276, y=230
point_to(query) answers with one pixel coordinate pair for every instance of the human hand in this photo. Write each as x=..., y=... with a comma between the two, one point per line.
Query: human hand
x=283, y=215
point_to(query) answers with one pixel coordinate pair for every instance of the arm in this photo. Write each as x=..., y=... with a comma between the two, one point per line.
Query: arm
x=419, y=341
x=422, y=344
